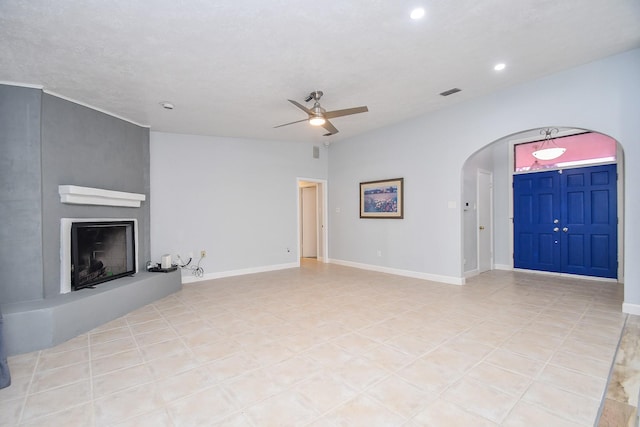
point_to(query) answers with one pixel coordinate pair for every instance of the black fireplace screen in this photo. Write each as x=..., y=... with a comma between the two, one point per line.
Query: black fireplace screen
x=101, y=251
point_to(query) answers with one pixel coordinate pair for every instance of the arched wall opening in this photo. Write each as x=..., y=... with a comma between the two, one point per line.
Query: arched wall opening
x=497, y=158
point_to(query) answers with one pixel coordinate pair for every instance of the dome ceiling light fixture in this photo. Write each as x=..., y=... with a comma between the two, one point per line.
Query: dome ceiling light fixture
x=548, y=149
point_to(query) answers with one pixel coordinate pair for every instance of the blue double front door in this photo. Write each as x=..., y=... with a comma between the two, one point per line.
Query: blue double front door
x=566, y=221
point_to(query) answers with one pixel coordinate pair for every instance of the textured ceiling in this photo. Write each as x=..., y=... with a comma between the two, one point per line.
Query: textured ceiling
x=230, y=66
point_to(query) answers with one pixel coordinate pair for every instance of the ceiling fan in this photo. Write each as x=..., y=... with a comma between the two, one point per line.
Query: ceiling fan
x=318, y=116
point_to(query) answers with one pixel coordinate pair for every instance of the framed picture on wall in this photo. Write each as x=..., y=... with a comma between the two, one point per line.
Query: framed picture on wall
x=382, y=199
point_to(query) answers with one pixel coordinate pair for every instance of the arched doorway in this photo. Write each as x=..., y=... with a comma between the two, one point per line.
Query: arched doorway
x=498, y=159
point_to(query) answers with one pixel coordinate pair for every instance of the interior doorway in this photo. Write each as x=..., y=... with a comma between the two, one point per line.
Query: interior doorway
x=312, y=212
x=485, y=220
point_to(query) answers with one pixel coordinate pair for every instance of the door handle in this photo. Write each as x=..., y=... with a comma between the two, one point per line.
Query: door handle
x=482, y=227
x=565, y=229
x=556, y=229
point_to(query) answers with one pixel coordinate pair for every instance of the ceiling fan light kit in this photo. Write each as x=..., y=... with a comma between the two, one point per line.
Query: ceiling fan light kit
x=318, y=116
x=317, y=121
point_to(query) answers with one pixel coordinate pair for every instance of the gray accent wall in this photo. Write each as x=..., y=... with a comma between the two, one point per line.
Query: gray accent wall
x=85, y=147
x=20, y=195
x=47, y=141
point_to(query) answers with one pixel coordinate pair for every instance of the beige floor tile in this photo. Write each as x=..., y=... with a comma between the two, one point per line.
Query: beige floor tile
x=480, y=399
x=411, y=345
x=573, y=381
x=163, y=349
x=292, y=371
x=235, y=420
x=109, y=335
x=59, y=360
x=355, y=343
x=326, y=345
x=364, y=411
x=158, y=418
x=587, y=365
x=115, y=362
x=252, y=387
x=81, y=415
x=53, y=378
x=563, y=403
x=151, y=325
x=451, y=359
x=232, y=366
x=515, y=362
x=285, y=409
x=469, y=347
x=325, y=391
x=215, y=350
x=360, y=372
x=329, y=354
x=429, y=376
x=119, y=380
x=172, y=365
x=56, y=400
x=500, y=379
x=444, y=413
x=532, y=349
x=388, y=357
x=126, y=404
x=111, y=347
x=155, y=337
x=525, y=414
x=379, y=332
x=400, y=396
x=184, y=384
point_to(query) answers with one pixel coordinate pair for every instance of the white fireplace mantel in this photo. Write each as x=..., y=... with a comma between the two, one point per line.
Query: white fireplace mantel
x=76, y=195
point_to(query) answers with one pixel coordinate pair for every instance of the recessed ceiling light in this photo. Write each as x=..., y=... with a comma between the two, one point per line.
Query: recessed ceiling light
x=167, y=105
x=499, y=67
x=417, y=13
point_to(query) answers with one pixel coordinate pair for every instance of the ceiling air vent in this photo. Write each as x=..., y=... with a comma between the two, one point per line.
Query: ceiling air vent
x=450, y=91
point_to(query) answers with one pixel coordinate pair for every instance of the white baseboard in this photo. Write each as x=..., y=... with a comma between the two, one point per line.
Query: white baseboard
x=505, y=267
x=230, y=273
x=406, y=273
x=631, y=308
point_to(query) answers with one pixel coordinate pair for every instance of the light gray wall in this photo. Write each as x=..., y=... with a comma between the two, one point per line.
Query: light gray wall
x=48, y=141
x=430, y=151
x=235, y=198
x=20, y=195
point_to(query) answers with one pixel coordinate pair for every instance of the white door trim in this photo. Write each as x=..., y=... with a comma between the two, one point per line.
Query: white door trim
x=322, y=196
x=489, y=225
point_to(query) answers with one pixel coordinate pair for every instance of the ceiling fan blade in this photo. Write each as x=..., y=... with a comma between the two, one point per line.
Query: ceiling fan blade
x=287, y=124
x=345, y=112
x=331, y=128
x=300, y=106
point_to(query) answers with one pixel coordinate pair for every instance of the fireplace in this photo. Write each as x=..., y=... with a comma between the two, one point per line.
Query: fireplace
x=94, y=251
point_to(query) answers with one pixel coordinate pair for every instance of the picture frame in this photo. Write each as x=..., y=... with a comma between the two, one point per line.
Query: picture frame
x=382, y=199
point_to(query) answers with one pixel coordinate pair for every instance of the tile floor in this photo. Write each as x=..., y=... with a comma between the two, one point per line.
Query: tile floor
x=326, y=345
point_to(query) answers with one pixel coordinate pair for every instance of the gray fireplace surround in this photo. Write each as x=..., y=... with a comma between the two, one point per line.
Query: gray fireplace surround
x=40, y=324
x=52, y=150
